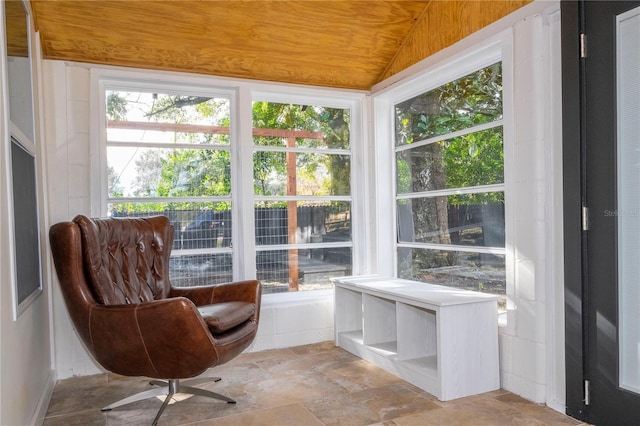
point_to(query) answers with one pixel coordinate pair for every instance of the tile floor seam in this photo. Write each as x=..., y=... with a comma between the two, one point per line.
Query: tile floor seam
x=314, y=416
x=263, y=369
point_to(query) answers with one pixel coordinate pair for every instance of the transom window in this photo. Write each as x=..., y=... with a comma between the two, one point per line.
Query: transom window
x=450, y=184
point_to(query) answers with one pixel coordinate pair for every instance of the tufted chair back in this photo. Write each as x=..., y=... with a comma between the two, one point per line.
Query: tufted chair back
x=126, y=260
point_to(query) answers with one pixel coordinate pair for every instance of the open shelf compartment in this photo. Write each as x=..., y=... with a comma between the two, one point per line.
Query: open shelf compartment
x=379, y=321
x=442, y=340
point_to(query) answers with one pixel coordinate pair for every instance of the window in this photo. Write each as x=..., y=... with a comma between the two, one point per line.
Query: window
x=174, y=150
x=302, y=186
x=449, y=188
x=23, y=159
x=168, y=153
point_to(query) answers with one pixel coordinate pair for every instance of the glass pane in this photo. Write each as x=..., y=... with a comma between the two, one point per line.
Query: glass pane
x=19, y=68
x=628, y=213
x=207, y=230
x=299, y=270
x=200, y=270
x=156, y=172
x=469, y=271
x=194, y=228
x=314, y=174
x=470, y=220
x=25, y=223
x=162, y=118
x=466, y=161
x=196, y=225
x=302, y=222
x=469, y=101
x=307, y=126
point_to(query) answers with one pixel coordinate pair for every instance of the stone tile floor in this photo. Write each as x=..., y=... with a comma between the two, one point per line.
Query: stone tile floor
x=307, y=385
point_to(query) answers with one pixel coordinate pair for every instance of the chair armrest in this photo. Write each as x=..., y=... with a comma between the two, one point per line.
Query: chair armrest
x=198, y=295
x=239, y=291
x=162, y=339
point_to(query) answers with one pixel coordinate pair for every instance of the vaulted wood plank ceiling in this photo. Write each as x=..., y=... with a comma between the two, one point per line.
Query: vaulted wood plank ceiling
x=346, y=44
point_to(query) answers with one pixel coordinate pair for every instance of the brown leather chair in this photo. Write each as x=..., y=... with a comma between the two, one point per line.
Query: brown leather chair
x=114, y=276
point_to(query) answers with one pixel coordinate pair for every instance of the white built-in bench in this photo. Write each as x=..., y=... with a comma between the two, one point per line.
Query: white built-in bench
x=441, y=339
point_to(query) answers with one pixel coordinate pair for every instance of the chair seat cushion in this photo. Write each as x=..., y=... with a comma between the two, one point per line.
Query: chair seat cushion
x=221, y=317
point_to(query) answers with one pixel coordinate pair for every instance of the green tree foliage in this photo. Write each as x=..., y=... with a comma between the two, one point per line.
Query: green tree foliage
x=465, y=161
x=176, y=172
x=116, y=106
x=195, y=173
x=332, y=122
x=469, y=101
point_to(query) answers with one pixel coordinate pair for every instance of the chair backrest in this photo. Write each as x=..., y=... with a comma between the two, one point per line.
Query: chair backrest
x=126, y=260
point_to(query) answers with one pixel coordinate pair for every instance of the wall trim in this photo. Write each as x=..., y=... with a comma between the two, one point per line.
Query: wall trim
x=44, y=400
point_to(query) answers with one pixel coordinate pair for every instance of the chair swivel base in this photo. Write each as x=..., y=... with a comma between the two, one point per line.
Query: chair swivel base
x=169, y=388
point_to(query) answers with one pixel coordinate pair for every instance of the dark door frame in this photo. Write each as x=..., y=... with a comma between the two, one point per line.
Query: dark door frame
x=588, y=269
x=574, y=245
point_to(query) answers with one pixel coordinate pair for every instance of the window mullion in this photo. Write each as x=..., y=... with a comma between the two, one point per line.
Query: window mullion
x=194, y=199
x=303, y=246
x=242, y=186
x=450, y=247
x=452, y=135
x=499, y=187
x=302, y=150
x=163, y=145
x=303, y=198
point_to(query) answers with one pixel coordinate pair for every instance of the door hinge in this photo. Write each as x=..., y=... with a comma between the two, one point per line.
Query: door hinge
x=585, y=218
x=587, y=398
x=583, y=45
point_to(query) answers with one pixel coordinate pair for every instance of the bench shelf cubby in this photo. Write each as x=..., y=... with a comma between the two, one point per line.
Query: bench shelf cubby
x=441, y=339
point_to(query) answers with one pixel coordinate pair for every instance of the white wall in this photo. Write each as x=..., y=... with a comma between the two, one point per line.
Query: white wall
x=294, y=319
x=536, y=183
x=66, y=94
x=26, y=375
x=532, y=353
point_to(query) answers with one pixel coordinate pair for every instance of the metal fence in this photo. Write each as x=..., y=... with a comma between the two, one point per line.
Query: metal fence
x=279, y=270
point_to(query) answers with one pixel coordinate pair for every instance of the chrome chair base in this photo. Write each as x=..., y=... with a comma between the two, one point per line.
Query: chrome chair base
x=169, y=388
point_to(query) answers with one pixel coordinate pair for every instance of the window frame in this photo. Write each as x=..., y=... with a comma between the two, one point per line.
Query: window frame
x=433, y=75
x=286, y=98
x=25, y=136
x=241, y=95
x=100, y=159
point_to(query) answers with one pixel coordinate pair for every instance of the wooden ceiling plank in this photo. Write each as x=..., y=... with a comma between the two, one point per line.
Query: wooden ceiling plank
x=346, y=44
x=446, y=23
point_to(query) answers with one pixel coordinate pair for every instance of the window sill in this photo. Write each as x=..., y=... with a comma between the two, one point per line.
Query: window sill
x=296, y=298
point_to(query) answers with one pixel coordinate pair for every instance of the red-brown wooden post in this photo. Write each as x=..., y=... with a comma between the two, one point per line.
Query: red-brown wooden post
x=292, y=214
